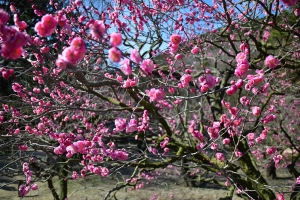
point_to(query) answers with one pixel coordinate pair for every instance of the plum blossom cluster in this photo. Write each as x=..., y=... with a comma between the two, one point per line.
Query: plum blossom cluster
x=255, y=80
x=25, y=188
x=277, y=159
x=213, y=130
x=93, y=151
x=156, y=94
x=20, y=24
x=6, y=73
x=244, y=47
x=290, y=2
x=195, y=50
x=271, y=61
x=12, y=40
x=207, y=81
x=184, y=80
x=263, y=135
x=133, y=125
x=125, y=67
x=233, y=122
x=130, y=82
x=199, y=136
x=163, y=145
x=4, y=17
x=144, y=122
x=235, y=85
x=97, y=28
x=271, y=150
x=135, y=56
x=72, y=54
x=175, y=40
x=220, y=156
x=147, y=67
x=114, y=54
x=242, y=64
x=46, y=26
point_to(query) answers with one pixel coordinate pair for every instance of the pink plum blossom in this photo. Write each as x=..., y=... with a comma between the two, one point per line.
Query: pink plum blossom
x=244, y=100
x=4, y=17
x=78, y=2
x=277, y=159
x=238, y=153
x=255, y=110
x=13, y=49
x=49, y=22
x=226, y=141
x=125, y=67
x=135, y=56
x=231, y=90
x=79, y=146
x=198, y=135
x=17, y=87
x=75, y=175
x=251, y=136
x=78, y=44
x=156, y=94
x=214, y=146
x=266, y=35
x=115, y=39
x=60, y=149
x=71, y=149
x=244, y=47
x=34, y=186
x=69, y=55
x=280, y=196
x=185, y=79
x=175, y=39
x=269, y=118
x=120, y=124
x=97, y=29
x=114, y=54
x=47, y=26
x=23, y=147
x=297, y=12
x=121, y=155
x=147, y=66
x=239, y=83
x=61, y=62
x=195, y=50
x=271, y=61
x=290, y=2
x=164, y=142
x=241, y=58
x=23, y=190
x=130, y=82
x=131, y=126
x=178, y=56
x=220, y=156
x=271, y=150
x=81, y=18
x=241, y=69
x=210, y=81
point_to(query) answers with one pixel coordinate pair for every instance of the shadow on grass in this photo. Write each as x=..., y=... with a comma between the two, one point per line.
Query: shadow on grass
x=8, y=188
x=284, y=178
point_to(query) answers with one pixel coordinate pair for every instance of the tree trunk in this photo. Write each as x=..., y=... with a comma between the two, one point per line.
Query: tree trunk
x=63, y=181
